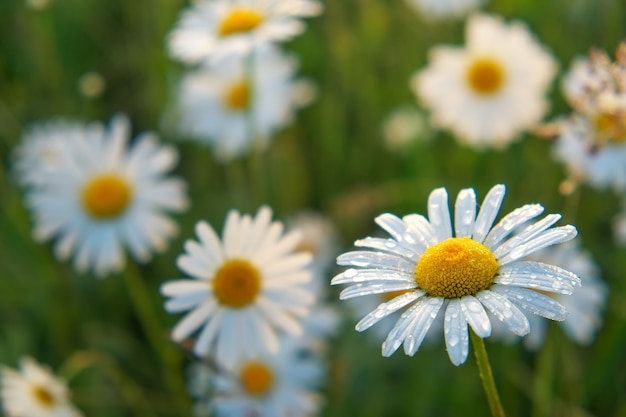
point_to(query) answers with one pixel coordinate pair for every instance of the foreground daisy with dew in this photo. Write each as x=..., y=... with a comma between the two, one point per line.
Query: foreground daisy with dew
x=34, y=391
x=461, y=271
x=243, y=289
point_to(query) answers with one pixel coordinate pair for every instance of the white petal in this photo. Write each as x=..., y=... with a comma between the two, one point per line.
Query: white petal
x=385, y=309
x=422, y=228
x=533, y=301
x=528, y=233
x=207, y=335
x=465, y=213
x=364, y=275
x=511, y=221
x=193, y=320
x=488, y=212
x=455, y=331
x=210, y=241
x=183, y=287
x=374, y=287
x=368, y=259
x=505, y=311
x=548, y=238
x=424, y=317
x=400, y=231
x=537, y=276
x=476, y=316
x=388, y=245
x=439, y=214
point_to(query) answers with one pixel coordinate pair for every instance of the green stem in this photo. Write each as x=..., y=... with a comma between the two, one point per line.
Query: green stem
x=169, y=356
x=484, y=369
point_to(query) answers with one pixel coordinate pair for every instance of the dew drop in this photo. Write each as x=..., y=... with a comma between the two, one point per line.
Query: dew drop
x=350, y=273
x=453, y=340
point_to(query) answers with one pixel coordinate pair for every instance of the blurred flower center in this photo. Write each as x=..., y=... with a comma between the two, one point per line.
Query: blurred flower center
x=106, y=196
x=236, y=283
x=42, y=396
x=611, y=126
x=485, y=76
x=456, y=267
x=241, y=19
x=237, y=96
x=257, y=378
x=388, y=296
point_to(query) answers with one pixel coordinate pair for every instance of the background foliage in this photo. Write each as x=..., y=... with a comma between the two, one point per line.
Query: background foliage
x=361, y=54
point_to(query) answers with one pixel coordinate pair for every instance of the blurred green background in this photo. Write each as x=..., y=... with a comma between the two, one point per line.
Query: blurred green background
x=361, y=54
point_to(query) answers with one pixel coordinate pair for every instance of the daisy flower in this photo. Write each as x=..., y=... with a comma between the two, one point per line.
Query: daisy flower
x=34, y=392
x=592, y=141
x=229, y=109
x=442, y=9
x=273, y=385
x=404, y=127
x=213, y=29
x=490, y=91
x=102, y=196
x=458, y=271
x=584, y=306
x=242, y=289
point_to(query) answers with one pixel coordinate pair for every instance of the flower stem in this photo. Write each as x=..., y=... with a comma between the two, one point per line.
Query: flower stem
x=484, y=370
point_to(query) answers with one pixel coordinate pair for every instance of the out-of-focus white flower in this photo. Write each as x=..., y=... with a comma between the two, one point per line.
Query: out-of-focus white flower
x=403, y=127
x=99, y=195
x=38, y=4
x=459, y=269
x=243, y=288
x=91, y=84
x=231, y=108
x=442, y=9
x=34, y=391
x=212, y=29
x=493, y=89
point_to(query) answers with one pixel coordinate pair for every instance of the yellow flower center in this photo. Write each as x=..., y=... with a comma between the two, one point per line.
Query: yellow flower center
x=42, y=396
x=237, y=96
x=237, y=283
x=257, y=378
x=456, y=267
x=106, y=196
x=611, y=127
x=241, y=19
x=485, y=76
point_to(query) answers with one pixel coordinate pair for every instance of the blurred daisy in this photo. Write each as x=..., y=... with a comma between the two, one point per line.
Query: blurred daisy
x=213, y=29
x=592, y=141
x=222, y=106
x=404, y=127
x=100, y=196
x=490, y=91
x=34, y=392
x=461, y=273
x=279, y=385
x=584, y=306
x=442, y=9
x=242, y=289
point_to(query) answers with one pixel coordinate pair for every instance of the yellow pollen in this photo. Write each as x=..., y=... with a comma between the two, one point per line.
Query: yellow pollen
x=388, y=296
x=237, y=96
x=42, y=396
x=456, y=267
x=257, y=378
x=237, y=283
x=241, y=19
x=106, y=196
x=485, y=76
x=611, y=127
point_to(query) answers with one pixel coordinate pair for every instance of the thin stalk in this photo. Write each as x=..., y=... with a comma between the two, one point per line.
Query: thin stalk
x=484, y=370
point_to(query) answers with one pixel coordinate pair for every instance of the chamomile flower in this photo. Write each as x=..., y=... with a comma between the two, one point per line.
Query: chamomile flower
x=584, y=306
x=34, y=391
x=458, y=270
x=213, y=29
x=242, y=289
x=493, y=89
x=101, y=196
x=442, y=9
x=283, y=384
x=231, y=110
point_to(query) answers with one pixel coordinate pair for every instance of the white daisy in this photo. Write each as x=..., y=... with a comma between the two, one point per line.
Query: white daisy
x=242, y=289
x=279, y=385
x=490, y=91
x=592, y=141
x=584, y=306
x=220, y=105
x=404, y=127
x=442, y=9
x=34, y=392
x=213, y=29
x=102, y=196
x=461, y=273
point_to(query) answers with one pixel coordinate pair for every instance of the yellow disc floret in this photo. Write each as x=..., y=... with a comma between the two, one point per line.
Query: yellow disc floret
x=237, y=283
x=485, y=76
x=456, y=267
x=611, y=127
x=42, y=396
x=257, y=378
x=240, y=20
x=106, y=196
x=237, y=96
